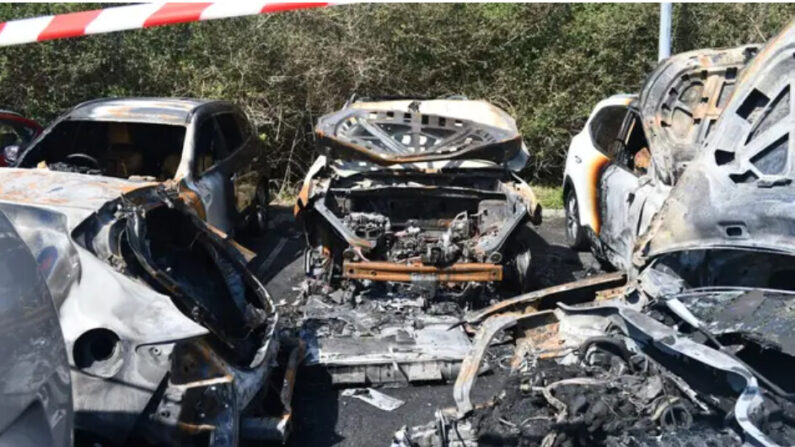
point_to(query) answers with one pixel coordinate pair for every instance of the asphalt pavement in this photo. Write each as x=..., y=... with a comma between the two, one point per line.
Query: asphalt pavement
x=321, y=416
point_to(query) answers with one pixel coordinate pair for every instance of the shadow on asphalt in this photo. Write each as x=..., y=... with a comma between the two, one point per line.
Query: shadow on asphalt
x=278, y=249
x=555, y=263
x=315, y=410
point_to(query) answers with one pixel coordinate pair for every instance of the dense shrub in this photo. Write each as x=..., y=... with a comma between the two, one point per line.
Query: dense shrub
x=547, y=64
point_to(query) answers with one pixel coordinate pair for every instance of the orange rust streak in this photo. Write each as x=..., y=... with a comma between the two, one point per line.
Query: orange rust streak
x=545, y=340
x=303, y=198
x=595, y=170
x=247, y=254
x=192, y=200
x=388, y=271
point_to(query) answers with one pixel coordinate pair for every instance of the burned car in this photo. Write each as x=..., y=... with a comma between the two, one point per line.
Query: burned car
x=413, y=213
x=419, y=191
x=207, y=148
x=634, y=148
x=170, y=338
x=695, y=349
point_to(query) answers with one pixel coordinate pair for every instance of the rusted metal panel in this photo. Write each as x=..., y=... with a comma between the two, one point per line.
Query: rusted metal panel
x=528, y=300
x=60, y=189
x=390, y=271
x=742, y=184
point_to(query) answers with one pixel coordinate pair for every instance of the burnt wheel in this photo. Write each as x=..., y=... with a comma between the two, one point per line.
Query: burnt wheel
x=575, y=233
x=258, y=221
x=519, y=276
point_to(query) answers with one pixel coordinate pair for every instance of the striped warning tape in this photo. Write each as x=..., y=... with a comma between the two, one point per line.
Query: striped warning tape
x=121, y=18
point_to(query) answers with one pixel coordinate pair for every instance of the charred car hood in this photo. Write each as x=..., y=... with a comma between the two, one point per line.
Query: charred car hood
x=738, y=192
x=77, y=195
x=683, y=98
x=765, y=316
x=400, y=132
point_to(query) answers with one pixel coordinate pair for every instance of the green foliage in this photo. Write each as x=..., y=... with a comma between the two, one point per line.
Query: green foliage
x=549, y=197
x=546, y=64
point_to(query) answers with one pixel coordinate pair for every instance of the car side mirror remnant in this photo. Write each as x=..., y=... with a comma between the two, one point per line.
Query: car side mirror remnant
x=10, y=154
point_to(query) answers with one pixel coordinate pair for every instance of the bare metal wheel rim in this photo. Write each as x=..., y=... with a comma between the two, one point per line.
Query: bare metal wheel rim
x=571, y=216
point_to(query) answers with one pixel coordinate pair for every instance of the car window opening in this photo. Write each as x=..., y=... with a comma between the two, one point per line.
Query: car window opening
x=113, y=149
x=631, y=150
x=605, y=127
x=15, y=134
x=217, y=138
x=636, y=149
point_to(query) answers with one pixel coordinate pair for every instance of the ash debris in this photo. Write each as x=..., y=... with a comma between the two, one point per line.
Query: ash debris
x=607, y=400
x=358, y=310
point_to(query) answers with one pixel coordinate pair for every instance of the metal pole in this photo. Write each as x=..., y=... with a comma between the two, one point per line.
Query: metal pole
x=665, y=31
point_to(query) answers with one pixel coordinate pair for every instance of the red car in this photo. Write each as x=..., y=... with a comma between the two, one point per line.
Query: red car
x=16, y=132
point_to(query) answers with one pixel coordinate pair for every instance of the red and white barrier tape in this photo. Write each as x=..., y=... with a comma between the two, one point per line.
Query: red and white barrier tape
x=121, y=18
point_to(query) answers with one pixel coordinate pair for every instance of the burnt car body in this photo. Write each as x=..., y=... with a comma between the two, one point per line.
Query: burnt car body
x=170, y=338
x=634, y=148
x=36, y=393
x=208, y=148
x=414, y=213
x=696, y=348
x=421, y=191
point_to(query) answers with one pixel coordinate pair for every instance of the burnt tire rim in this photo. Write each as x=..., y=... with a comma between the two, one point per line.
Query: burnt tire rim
x=261, y=216
x=261, y=209
x=523, y=268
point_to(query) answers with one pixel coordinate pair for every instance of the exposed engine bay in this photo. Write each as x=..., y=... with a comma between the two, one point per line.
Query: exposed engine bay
x=398, y=258
x=455, y=229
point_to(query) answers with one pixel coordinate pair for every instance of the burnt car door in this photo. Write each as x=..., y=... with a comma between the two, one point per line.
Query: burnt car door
x=245, y=164
x=211, y=175
x=620, y=206
x=227, y=168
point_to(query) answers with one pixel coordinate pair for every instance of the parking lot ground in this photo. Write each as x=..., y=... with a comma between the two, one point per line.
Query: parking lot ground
x=321, y=416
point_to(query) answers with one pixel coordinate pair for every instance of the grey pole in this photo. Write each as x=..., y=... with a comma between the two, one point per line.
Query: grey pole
x=665, y=31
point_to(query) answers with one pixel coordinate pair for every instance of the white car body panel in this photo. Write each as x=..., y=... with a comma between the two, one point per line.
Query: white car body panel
x=584, y=166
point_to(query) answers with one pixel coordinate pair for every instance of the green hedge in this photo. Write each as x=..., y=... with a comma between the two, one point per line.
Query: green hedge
x=546, y=64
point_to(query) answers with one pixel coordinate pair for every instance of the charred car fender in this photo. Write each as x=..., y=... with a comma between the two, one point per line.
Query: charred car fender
x=105, y=318
x=154, y=357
